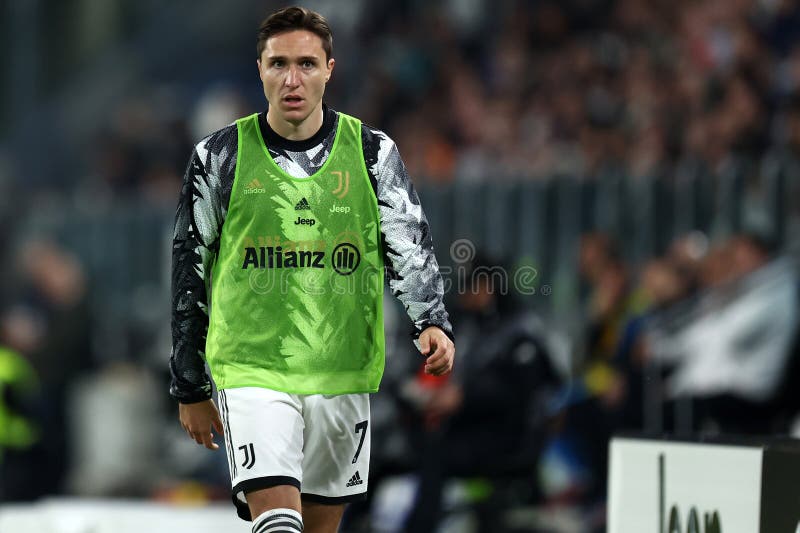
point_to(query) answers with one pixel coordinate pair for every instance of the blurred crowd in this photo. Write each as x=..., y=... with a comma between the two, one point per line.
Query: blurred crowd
x=703, y=340
x=518, y=90
x=701, y=336
x=480, y=91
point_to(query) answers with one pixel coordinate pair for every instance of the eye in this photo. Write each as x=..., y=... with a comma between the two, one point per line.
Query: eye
x=307, y=64
x=277, y=63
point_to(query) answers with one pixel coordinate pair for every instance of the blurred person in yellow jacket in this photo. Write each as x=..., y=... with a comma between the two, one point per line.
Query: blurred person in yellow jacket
x=19, y=433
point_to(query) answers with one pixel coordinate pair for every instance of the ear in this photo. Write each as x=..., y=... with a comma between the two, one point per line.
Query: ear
x=331, y=63
x=260, y=73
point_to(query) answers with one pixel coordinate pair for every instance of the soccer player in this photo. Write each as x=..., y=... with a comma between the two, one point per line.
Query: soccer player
x=286, y=221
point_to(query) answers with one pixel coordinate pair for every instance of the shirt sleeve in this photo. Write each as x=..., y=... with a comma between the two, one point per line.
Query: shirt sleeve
x=198, y=224
x=413, y=271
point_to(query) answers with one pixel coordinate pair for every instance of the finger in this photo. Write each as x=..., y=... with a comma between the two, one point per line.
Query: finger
x=217, y=423
x=437, y=356
x=446, y=370
x=436, y=360
x=424, y=344
x=442, y=367
x=444, y=351
x=438, y=368
x=208, y=441
x=442, y=371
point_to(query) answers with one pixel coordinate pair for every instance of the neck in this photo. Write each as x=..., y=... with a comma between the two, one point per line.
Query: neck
x=299, y=131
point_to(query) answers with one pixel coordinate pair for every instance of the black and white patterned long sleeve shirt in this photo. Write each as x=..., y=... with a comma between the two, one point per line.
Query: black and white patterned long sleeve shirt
x=412, y=269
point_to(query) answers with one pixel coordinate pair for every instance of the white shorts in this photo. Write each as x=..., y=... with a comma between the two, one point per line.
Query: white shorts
x=317, y=443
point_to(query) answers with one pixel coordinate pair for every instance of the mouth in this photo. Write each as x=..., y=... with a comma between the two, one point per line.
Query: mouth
x=292, y=100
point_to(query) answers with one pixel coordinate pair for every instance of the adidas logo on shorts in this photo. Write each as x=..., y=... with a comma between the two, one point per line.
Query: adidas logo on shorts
x=355, y=480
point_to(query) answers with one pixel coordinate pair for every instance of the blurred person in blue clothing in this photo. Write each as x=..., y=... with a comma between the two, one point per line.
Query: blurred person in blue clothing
x=607, y=395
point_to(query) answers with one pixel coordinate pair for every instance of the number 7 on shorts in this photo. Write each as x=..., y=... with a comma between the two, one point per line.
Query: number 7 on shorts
x=362, y=427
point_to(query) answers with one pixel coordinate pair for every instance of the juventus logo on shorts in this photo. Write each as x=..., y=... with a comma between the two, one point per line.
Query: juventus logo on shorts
x=249, y=455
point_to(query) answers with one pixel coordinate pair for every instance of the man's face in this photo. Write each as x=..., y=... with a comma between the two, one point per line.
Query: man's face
x=294, y=71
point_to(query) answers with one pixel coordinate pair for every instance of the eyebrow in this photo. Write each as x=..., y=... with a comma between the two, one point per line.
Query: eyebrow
x=300, y=59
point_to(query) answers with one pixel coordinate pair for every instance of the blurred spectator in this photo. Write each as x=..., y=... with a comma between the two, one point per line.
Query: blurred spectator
x=610, y=300
x=662, y=285
x=532, y=90
x=726, y=349
x=493, y=405
x=140, y=150
x=686, y=254
x=574, y=463
x=216, y=108
x=732, y=348
x=49, y=324
x=19, y=428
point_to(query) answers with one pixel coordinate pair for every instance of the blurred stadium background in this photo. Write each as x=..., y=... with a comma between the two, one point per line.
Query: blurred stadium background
x=642, y=157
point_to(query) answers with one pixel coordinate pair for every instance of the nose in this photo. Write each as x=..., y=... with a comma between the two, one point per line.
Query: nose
x=292, y=77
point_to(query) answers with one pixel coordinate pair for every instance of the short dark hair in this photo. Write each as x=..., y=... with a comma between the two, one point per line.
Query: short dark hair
x=295, y=18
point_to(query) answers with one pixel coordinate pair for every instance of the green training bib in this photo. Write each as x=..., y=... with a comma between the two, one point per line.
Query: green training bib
x=297, y=288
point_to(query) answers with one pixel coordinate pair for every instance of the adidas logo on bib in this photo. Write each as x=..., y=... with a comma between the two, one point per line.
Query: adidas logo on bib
x=254, y=187
x=355, y=480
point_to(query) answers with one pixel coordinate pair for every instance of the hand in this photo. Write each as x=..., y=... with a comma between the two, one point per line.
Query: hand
x=198, y=418
x=439, y=349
